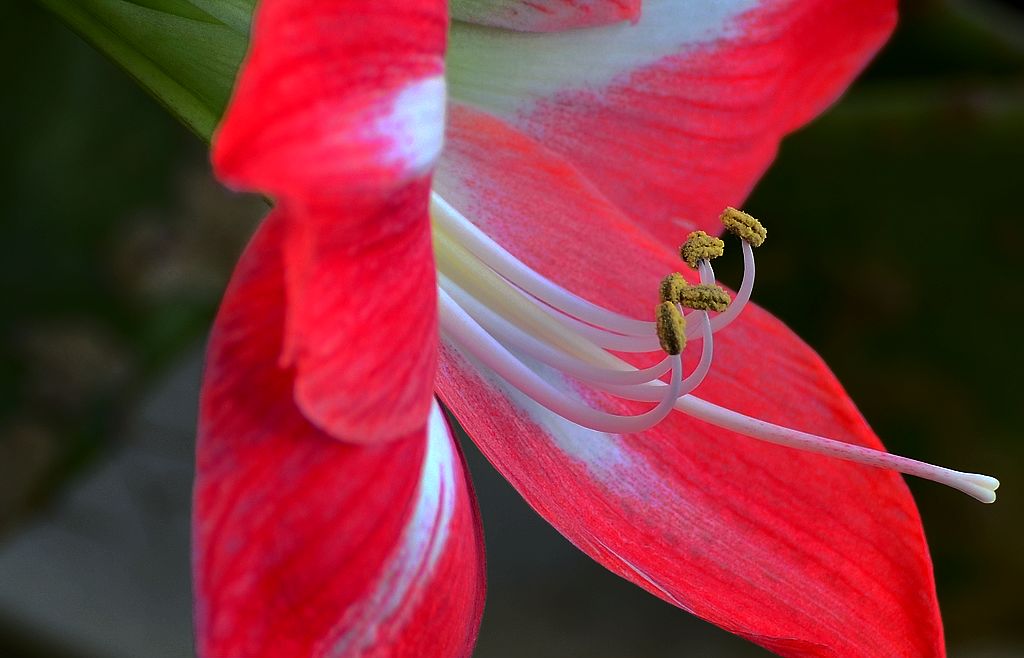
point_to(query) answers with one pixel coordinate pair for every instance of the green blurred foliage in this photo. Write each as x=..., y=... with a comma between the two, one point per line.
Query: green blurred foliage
x=895, y=228
x=185, y=52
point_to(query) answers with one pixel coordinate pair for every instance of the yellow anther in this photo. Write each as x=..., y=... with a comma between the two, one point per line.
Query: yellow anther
x=705, y=297
x=744, y=226
x=701, y=246
x=671, y=327
x=671, y=287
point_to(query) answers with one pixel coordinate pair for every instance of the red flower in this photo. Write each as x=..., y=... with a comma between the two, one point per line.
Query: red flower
x=333, y=512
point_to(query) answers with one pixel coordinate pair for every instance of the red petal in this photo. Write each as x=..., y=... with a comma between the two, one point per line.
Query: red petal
x=336, y=94
x=682, y=113
x=802, y=554
x=307, y=547
x=545, y=15
x=362, y=316
x=339, y=114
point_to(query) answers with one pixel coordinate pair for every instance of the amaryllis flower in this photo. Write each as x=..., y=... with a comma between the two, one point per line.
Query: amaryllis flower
x=486, y=211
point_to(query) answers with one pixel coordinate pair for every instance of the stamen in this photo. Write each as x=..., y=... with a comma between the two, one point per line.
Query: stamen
x=448, y=219
x=557, y=329
x=704, y=297
x=671, y=328
x=744, y=226
x=700, y=246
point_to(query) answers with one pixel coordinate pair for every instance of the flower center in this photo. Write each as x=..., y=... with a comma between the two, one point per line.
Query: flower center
x=517, y=322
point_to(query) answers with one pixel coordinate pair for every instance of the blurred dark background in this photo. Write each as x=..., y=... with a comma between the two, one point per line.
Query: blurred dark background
x=115, y=245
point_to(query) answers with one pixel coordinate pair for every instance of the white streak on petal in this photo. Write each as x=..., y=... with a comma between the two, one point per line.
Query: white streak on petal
x=414, y=126
x=504, y=70
x=603, y=454
x=400, y=584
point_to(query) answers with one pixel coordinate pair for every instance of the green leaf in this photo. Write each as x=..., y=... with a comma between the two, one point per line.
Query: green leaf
x=184, y=52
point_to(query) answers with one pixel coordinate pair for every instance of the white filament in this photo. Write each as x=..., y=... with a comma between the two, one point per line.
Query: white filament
x=723, y=319
x=603, y=338
x=652, y=390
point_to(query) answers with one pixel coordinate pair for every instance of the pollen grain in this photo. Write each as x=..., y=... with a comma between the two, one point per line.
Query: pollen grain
x=700, y=246
x=671, y=326
x=743, y=226
x=705, y=297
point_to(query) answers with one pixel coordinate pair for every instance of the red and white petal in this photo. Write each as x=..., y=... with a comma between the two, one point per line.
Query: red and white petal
x=305, y=547
x=339, y=114
x=677, y=116
x=545, y=15
x=336, y=95
x=802, y=554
